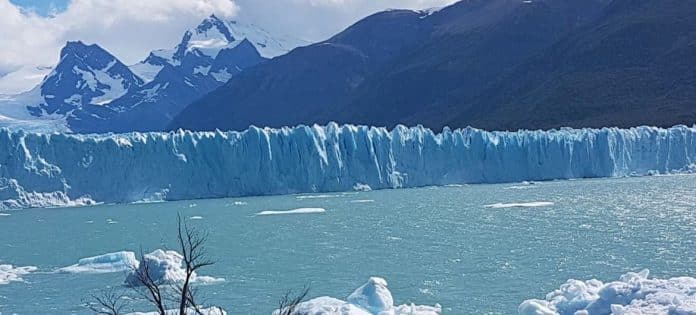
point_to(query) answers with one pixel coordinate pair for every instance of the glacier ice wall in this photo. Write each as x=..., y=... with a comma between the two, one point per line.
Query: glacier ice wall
x=58, y=169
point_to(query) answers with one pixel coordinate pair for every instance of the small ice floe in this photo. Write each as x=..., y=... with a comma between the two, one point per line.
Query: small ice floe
x=316, y=196
x=372, y=298
x=633, y=293
x=4, y=214
x=520, y=205
x=454, y=185
x=362, y=201
x=523, y=185
x=362, y=187
x=203, y=311
x=239, y=203
x=294, y=211
x=192, y=205
x=196, y=217
x=166, y=267
x=9, y=273
x=106, y=263
x=110, y=221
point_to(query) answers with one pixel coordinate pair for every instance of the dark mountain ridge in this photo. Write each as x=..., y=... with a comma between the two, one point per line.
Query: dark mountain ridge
x=499, y=64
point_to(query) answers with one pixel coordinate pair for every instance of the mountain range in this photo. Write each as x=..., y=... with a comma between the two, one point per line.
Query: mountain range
x=91, y=91
x=493, y=64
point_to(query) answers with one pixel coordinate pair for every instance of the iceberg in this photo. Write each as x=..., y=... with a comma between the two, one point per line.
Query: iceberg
x=9, y=273
x=372, y=298
x=165, y=267
x=107, y=263
x=294, y=211
x=202, y=311
x=634, y=293
x=42, y=170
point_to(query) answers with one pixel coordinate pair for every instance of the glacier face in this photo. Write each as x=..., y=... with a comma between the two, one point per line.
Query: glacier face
x=62, y=170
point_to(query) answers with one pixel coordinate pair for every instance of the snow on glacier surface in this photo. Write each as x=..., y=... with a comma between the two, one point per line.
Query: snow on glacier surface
x=41, y=170
x=632, y=294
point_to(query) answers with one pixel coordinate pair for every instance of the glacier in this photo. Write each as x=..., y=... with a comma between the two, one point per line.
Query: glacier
x=43, y=170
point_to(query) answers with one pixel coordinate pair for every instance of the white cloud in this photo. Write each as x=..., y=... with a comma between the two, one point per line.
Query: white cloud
x=129, y=29
x=316, y=20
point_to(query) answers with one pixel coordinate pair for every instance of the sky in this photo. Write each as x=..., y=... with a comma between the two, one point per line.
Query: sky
x=32, y=32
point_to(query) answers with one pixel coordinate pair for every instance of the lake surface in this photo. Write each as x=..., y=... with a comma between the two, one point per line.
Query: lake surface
x=433, y=245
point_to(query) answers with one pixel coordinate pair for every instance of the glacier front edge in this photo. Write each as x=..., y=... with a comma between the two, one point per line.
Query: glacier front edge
x=39, y=170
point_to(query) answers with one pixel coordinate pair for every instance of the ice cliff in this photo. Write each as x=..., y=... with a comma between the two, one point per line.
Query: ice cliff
x=56, y=170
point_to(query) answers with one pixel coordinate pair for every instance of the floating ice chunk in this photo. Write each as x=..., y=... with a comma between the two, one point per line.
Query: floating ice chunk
x=107, y=263
x=372, y=298
x=295, y=211
x=327, y=306
x=165, y=267
x=196, y=217
x=362, y=187
x=316, y=196
x=520, y=205
x=9, y=273
x=521, y=187
x=362, y=201
x=204, y=311
x=632, y=294
x=3, y=214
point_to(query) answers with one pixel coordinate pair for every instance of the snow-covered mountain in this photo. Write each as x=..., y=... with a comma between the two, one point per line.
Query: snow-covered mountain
x=90, y=90
x=86, y=74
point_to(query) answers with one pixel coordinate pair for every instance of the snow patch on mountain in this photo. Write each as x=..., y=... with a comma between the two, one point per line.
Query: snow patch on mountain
x=269, y=46
x=23, y=79
x=211, y=37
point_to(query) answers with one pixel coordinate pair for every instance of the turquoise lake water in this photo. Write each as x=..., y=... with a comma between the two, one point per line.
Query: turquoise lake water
x=433, y=245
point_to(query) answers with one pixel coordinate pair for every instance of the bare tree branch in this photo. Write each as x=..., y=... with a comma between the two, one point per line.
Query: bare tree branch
x=288, y=304
x=107, y=302
x=153, y=289
x=156, y=292
x=191, y=243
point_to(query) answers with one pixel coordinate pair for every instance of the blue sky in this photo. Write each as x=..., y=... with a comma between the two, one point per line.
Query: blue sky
x=42, y=7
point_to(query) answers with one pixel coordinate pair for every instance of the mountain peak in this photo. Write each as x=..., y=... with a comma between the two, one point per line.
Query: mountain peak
x=79, y=53
x=216, y=27
x=78, y=48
